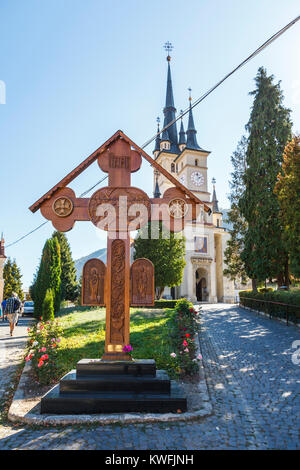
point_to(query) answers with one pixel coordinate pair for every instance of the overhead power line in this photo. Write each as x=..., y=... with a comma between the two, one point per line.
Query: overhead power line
x=183, y=113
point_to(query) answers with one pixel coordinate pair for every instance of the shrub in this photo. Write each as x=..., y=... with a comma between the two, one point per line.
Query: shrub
x=262, y=302
x=185, y=328
x=42, y=346
x=162, y=303
x=48, y=306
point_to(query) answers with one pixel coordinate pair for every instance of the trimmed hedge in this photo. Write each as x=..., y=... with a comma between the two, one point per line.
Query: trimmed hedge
x=165, y=303
x=263, y=302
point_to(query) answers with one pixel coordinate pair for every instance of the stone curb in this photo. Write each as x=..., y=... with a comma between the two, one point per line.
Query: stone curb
x=19, y=412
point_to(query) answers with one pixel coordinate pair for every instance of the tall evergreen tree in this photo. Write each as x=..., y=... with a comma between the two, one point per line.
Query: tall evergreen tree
x=166, y=253
x=12, y=279
x=69, y=284
x=48, y=276
x=269, y=127
x=235, y=268
x=288, y=190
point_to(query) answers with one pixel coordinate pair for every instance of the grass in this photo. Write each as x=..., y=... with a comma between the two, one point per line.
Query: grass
x=84, y=336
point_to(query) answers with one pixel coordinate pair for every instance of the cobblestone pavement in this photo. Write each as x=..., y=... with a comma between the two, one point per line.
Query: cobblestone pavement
x=253, y=384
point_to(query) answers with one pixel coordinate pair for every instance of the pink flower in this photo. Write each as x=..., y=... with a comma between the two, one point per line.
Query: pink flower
x=128, y=348
x=40, y=363
x=199, y=356
x=173, y=354
x=44, y=349
x=186, y=350
x=184, y=343
x=58, y=340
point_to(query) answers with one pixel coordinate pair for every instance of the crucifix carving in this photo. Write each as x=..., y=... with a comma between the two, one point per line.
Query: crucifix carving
x=118, y=209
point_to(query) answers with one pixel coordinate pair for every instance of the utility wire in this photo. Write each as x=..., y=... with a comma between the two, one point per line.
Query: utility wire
x=250, y=57
x=44, y=223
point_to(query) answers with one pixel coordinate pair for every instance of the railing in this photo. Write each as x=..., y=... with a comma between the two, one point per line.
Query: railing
x=287, y=311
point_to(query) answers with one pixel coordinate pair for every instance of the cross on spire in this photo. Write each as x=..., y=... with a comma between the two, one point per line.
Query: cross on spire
x=190, y=93
x=168, y=48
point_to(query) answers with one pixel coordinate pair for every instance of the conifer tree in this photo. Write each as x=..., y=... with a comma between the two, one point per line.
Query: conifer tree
x=12, y=279
x=48, y=306
x=48, y=276
x=288, y=191
x=269, y=127
x=235, y=267
x=69, y=284
x=166, y=253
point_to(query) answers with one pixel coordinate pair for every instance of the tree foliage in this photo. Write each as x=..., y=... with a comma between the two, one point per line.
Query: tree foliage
x=288, y=191
x=235, y=267
x=269, y=127
x=48, y=306
x=166, y=253
x=48, y=276
x=69, y=284
x=12, y=279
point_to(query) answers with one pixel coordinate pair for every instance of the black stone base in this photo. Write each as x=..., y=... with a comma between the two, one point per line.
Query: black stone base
x=112, y=387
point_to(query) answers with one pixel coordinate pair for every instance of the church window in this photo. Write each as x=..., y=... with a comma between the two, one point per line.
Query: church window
x=196, y=162
x=200, y=244
x=173, y=167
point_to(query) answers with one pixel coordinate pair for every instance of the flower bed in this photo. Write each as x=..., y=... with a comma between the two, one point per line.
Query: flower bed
x=42, y=350
x=185, y=328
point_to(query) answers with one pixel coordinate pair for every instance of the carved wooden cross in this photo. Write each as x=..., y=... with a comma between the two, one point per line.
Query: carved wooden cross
x=118, y=208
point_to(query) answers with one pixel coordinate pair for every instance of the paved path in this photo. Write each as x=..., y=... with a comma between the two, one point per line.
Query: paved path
x=254, y=388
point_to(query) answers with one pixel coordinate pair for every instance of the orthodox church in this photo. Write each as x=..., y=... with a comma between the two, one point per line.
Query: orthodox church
x=182, y=156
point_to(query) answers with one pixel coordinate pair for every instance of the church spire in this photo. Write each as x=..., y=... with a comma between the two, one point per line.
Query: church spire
x=169, y=109
x=158, y=139
x=214, y=197
x=182, y=138
x=2, y=248
x=156, y=193
x=191, y=141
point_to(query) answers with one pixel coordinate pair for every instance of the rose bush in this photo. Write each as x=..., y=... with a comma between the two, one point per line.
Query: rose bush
x=185, y=327
x=42, y=346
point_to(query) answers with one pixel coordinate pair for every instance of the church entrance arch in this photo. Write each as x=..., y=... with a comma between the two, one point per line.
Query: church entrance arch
x=201, y=285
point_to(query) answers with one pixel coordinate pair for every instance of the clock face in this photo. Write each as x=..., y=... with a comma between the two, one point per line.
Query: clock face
x=197, y=178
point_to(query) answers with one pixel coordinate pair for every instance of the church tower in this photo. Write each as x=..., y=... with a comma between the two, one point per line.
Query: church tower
x=182, y=156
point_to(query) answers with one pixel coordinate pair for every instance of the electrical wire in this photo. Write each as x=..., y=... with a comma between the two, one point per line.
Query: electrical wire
x=199, y=100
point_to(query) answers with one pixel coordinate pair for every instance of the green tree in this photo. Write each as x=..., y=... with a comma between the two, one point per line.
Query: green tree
x=235, y=268
x=48, y=306
x=166, y=253
x=288, y=191
x=269, y=127
x=48, y=276
x=12, y=279
x=69, y=284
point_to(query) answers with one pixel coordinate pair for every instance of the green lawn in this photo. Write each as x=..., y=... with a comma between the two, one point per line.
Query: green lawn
x=84, y=336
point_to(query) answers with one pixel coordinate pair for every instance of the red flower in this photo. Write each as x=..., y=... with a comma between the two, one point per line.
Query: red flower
x=191, y=309
x=187, y=335
x=184, y=343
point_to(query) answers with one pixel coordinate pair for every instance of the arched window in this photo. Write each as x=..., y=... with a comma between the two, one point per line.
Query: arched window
x=196, y=162
x=173, y=167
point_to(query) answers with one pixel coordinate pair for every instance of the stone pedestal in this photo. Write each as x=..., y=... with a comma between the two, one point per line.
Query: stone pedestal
x=99, y=386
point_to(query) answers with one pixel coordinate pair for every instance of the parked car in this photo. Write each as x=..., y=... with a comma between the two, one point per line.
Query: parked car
x=28, y=307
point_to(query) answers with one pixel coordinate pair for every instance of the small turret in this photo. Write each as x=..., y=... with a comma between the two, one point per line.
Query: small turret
x=182, y=137
x=157, y=140
x=2, y=247
x=191, y=139
x=156, y=193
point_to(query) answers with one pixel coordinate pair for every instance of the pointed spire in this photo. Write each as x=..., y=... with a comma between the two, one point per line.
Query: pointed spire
x=191, y=141
x=214, y=197
x=182, y=138
x=158, y=139
x=156, y=193
x=2, y=248
x=169, y=109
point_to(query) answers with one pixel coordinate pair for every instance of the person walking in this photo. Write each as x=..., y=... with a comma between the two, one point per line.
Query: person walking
x=11, y=309
x=3, y=309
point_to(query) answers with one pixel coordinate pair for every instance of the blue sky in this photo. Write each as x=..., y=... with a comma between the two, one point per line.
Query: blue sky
x=78, y=70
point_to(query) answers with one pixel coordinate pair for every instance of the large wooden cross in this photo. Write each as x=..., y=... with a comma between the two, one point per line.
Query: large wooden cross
x=118, y=208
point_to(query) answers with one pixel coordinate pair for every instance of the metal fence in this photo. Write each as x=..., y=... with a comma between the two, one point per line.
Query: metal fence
x=291, y=313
